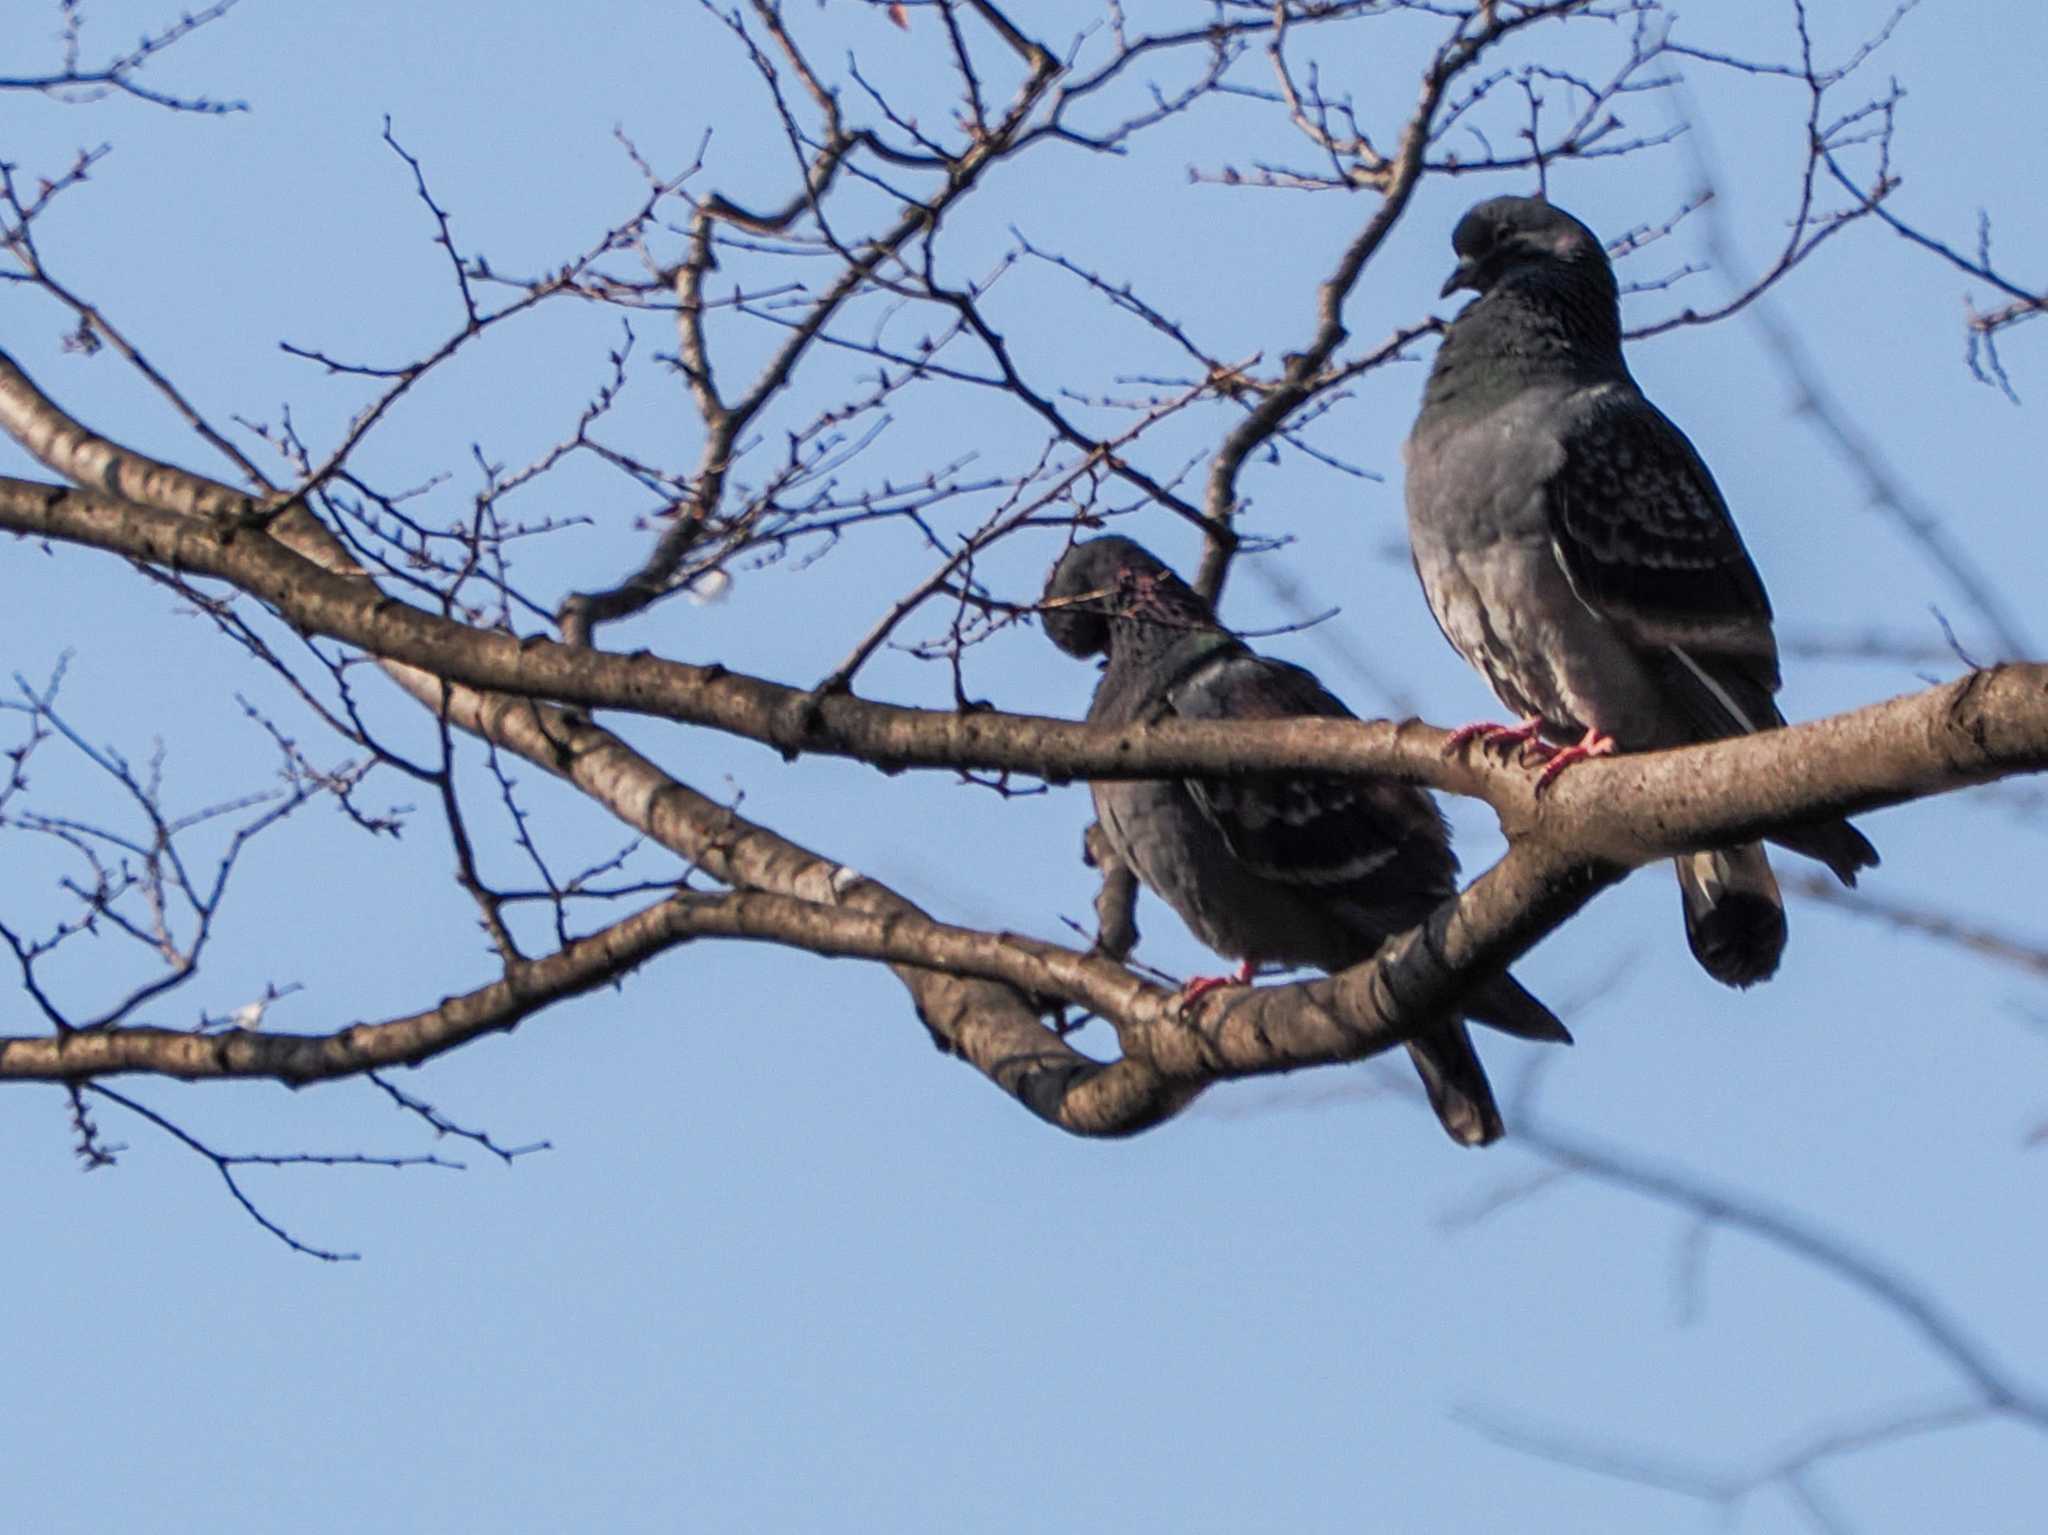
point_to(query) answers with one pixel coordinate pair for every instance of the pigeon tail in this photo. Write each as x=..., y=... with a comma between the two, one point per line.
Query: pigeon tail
x=1505, y=1004
x=1837, y=844
x=1734, y=916
x=1457, y=1085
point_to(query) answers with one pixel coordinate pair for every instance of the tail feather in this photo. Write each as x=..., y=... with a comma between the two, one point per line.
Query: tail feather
x=1837, y=844
x=1505, y=1004
x=1457, y=1085
x=1734, y=915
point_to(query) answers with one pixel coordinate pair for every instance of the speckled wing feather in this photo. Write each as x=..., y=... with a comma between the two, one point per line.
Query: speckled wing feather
x=1647, y=543
x=1377, y=852
x=1327, y=832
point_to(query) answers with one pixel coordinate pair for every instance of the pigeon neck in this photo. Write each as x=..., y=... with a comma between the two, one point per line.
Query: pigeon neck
x=1537, y=326
x=1174, y=646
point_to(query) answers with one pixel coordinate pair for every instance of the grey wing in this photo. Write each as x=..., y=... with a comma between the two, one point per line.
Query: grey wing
x=1333, y=833
x=1647, y=543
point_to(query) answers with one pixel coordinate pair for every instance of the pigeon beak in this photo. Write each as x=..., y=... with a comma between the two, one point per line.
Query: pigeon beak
x=1464, y=275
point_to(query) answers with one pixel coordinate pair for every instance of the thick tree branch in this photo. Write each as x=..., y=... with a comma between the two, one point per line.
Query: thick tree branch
x=1627, y=810
x=987, y=1024
x=1170, y=1052
x=982, y=994
x=1987, y=723
x=528, y=986
x=1168, y=1058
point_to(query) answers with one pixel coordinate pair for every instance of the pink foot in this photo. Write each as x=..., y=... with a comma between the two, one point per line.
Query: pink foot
x=1199, y=986
x=1527, y=736
x=1592, y=744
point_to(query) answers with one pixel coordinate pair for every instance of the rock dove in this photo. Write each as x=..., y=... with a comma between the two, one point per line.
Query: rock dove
x=1575, y=550
x=1296, y=871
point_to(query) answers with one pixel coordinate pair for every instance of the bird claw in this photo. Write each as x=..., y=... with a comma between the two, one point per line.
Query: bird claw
x=1592, y=744
x=1523, y=744
x=1527, y=737
x=1198, y=986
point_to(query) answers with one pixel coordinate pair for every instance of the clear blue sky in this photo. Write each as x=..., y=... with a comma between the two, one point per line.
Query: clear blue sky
x=786, y=1268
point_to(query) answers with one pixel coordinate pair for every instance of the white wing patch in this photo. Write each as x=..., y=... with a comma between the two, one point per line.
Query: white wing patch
x=1735, y=710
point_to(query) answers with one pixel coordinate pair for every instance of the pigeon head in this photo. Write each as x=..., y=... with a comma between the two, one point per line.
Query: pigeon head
x=1105, y=586
x=1506, y=235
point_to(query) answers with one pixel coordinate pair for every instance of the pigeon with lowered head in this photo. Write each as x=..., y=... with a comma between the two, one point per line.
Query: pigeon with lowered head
x=1575, y=550
x=1296, y=871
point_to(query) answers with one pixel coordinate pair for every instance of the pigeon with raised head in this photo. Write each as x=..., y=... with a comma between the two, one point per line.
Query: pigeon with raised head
x=1575, y=550
x=1294, y=871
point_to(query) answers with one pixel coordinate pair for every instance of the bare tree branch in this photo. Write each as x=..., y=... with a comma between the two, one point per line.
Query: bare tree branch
x=842, y=265
x=1991, y=1391
x=75, y=81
